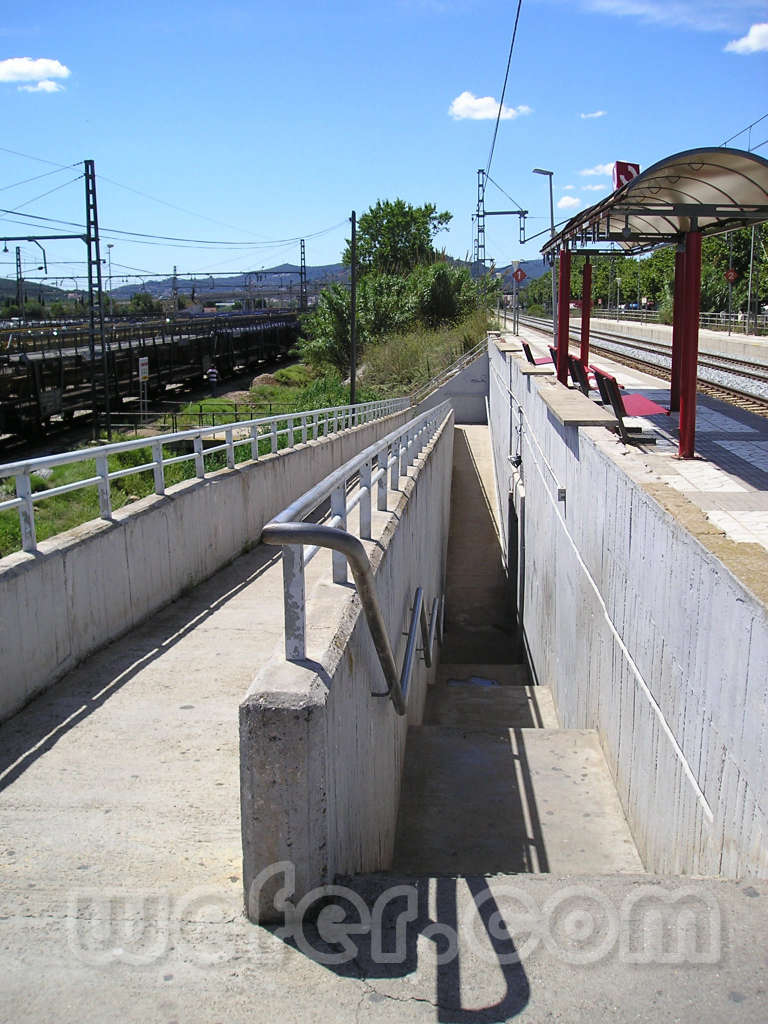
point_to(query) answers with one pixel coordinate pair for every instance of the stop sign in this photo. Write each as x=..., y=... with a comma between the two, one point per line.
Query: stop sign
x=519, y=275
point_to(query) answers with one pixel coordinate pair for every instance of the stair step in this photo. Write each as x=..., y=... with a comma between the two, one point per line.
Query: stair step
x=504, y=675
x=475, y=707
x=466, y=646
x=511, y=800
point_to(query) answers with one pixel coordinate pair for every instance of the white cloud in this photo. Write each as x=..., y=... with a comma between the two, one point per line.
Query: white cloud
x=568, y=188
x=601, y=170
x=594, y=114
x=27, y=69
x=568, y=203
x=482, y=108
x=594, y=188
x=702, y=15
x=755, y=41
x=45, y=86
x=41, y=70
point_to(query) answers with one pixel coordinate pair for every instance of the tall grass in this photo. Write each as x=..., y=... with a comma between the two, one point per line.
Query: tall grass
x=400, y=363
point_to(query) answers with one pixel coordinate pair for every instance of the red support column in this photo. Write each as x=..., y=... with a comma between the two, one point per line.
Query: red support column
x=678, y=330
x=690, y=348
x=586, y=308
x=563, y=316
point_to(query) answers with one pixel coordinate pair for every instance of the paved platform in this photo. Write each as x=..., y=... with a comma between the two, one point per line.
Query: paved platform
x=722, y=492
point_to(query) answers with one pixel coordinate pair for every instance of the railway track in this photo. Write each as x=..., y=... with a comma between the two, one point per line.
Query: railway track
x=740, y=382
x=48, y=381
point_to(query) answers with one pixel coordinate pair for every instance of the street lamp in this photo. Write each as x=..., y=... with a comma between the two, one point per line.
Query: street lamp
x=550, y=175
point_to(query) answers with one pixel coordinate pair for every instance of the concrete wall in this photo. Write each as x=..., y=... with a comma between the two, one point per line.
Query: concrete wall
x=87, y=586
x=321, y=758
x=466, y=391
x=644, y=635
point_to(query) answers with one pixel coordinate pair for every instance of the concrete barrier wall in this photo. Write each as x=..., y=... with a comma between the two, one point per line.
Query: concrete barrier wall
x=321, y=758
x=737, y=346
x=644, y=635
x=466, y=391
x=88, y=586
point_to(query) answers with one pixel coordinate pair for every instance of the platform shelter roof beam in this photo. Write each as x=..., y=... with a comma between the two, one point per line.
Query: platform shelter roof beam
x=709, y=190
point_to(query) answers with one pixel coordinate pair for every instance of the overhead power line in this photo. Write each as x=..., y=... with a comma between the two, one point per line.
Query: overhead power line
x=39, y=159
x=37, y=177
x=747, y=129
x=147, y=239
x=504, y=88
x=509, y=197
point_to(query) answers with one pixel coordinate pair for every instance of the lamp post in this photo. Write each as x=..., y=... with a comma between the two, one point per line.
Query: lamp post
x=550, y=175
x=618, y=298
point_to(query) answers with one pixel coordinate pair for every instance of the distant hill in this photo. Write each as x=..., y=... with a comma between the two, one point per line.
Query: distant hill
x=533, y=270
x=32, y=289
x=286, y=275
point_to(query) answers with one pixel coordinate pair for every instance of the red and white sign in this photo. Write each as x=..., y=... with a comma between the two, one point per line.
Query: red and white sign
x=519, y=275
x=731, y=276
x=623, y=173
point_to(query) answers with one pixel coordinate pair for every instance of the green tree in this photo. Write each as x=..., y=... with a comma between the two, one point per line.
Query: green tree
x=143, y=303
x=326, y=332
x=394, y=237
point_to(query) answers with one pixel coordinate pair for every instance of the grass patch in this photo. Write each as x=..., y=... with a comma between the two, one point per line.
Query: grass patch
x=297, y=388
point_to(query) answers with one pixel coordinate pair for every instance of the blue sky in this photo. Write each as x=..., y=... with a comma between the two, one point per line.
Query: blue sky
x=266, y=122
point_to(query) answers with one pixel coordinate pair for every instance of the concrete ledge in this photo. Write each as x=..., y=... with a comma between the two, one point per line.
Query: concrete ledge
x=321, y=754
x=90, y=585
x=572, y=408
x=529, y=370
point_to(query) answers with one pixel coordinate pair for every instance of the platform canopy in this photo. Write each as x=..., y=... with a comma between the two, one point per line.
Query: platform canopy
x=709, y=190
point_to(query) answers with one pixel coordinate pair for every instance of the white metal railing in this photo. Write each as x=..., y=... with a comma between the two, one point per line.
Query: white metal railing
x=379, y=467
x=735, y=322
x=261, y=436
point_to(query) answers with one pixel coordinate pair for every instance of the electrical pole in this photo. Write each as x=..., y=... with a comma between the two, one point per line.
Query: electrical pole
x=303, y=279
x=95, y=296
x=110, y=247
x=19, y=285
x=749, y=290
x=175, y=292
x=480, y=243
x=353, y=313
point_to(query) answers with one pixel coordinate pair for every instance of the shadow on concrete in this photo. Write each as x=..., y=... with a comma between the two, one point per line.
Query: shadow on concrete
x=479, y=617
x=36, y=729
x=485, y=778
x=368, y=927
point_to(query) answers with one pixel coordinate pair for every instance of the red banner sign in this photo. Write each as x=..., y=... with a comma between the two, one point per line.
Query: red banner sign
x=624, y=173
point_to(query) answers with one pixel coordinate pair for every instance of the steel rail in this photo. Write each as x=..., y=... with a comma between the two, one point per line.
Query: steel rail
x=728, y=365
x=348, y=545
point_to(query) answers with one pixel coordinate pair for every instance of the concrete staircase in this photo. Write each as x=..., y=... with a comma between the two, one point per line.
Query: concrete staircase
x=491, y=784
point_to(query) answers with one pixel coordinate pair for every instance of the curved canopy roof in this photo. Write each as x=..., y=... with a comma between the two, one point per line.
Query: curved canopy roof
x=709, y=190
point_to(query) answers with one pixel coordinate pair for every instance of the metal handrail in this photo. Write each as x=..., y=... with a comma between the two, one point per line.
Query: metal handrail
x=392, y=456
x=439, y=379
x=297, y=429
x=331, y=537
